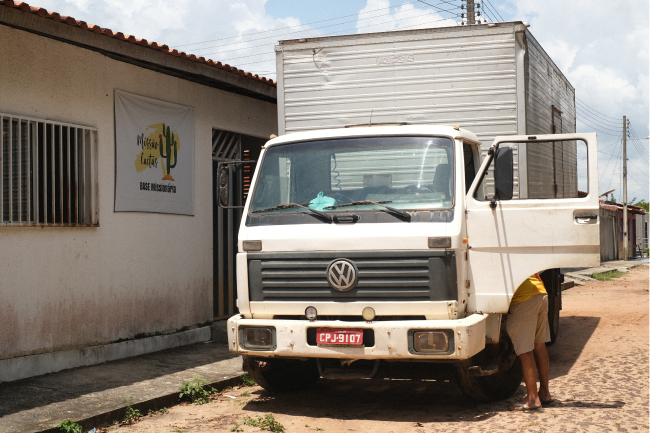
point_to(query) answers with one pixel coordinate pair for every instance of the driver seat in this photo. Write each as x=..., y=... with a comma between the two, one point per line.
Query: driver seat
x=441, y=180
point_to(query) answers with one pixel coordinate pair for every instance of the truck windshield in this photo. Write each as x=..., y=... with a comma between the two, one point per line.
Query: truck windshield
x=403, y=172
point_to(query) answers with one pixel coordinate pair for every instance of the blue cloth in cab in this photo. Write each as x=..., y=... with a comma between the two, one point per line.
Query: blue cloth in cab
x=321, y=202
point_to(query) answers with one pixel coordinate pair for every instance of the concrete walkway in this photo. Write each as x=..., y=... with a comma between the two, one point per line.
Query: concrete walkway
x=580, y=276
x=96, y=395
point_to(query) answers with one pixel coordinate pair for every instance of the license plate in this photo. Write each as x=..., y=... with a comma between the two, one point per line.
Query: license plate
x=339, y=337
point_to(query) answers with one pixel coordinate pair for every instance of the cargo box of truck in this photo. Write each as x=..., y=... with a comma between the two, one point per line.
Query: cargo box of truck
x=492, y=79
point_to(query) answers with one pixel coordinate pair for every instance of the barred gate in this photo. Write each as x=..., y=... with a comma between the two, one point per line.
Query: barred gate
x=226, y=146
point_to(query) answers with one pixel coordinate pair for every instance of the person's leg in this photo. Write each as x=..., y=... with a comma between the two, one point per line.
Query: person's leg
x=542, y=336
x=530, y=379
x=541, y=359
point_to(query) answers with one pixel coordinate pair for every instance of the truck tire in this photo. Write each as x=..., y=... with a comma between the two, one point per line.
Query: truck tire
x=281, y=375
x=553, y=283
x=498, y=386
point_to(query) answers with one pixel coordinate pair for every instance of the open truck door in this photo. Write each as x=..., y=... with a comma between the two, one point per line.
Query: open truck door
x=533, y=206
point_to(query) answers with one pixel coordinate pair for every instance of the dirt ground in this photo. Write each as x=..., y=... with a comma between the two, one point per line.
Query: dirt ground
x=599, y=378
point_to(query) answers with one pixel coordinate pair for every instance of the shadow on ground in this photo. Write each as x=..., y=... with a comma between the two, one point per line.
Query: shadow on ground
x=575, y=332
x=436, y=399
x=52, y=388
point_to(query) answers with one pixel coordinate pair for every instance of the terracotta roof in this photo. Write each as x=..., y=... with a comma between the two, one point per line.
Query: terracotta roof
x=132, y=39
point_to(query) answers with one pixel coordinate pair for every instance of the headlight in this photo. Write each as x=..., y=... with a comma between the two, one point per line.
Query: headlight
x=257, y=338
x=431, y=341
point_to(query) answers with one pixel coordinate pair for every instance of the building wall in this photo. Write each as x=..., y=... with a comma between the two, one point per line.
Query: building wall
x=137, y=274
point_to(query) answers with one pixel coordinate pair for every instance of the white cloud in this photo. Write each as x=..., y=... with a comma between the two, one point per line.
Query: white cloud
x=378, y=16
x=562, y=53
x=602, y=48
x=239, y=32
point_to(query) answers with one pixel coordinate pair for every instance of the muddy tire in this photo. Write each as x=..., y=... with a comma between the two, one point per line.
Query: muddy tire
x=495, y=387
x=281, y=375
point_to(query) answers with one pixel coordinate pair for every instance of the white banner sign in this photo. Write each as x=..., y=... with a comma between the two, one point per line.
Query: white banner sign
x=154, y=155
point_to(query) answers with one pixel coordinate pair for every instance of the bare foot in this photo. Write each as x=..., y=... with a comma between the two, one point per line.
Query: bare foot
x=524, y=407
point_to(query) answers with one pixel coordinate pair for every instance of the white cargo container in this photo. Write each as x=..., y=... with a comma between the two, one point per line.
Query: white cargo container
x=373, y=244
x=492, y=79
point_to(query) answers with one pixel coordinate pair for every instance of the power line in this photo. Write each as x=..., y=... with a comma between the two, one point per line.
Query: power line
x=440, y=9
x=298, y=31
x=600, y=118
x=371, y=25
x=297, y=25
x=595, y=128
x=598, y=112
x=608, y=161
x=584, y=113
x=639, y=146
x=494, y=9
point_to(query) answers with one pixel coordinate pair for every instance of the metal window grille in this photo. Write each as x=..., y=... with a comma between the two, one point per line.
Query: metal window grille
x=48, y=173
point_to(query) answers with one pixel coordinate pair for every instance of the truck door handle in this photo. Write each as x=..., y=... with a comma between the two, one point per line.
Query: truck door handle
x=587, y=217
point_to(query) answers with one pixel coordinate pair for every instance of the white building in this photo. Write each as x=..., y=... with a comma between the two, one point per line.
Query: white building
x=82, y=283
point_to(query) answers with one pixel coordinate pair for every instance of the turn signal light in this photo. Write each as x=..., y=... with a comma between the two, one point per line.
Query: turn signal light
x=252, y=245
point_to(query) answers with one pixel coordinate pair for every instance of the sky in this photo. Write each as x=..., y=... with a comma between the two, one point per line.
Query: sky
x=602, y=47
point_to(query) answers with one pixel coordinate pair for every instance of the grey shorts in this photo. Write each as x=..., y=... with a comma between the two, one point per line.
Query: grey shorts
x=528, y=323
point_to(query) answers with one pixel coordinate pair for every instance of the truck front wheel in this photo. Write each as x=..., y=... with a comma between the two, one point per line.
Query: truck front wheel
x=497, y=386
x=280, y=375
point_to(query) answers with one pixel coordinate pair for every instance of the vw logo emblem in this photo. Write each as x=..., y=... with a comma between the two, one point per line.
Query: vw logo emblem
x=342, y=275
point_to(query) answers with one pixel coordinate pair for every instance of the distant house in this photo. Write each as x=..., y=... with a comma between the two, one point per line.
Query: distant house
x=110, y=242
x=611, y=230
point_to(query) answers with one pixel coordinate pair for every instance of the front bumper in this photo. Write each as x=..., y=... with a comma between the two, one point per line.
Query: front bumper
x=391, y=338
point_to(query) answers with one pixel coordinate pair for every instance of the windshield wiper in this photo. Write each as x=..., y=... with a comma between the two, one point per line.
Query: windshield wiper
x=378, y=203
x=290, y=205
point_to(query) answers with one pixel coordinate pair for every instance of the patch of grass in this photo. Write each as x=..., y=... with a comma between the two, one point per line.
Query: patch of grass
x=69, y=426
x=195, y=392
x=267, y=423
x=245, y=394
x=247, y=380
x=131, y=416
x=164, y=410
x=236, y=428
x=607, y=276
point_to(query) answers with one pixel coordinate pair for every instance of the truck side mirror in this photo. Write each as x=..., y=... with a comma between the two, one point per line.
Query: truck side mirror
x=223, y=178
x=503, y=173
x=223, y=182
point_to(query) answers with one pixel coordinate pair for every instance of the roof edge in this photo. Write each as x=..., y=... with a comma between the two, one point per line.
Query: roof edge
x=144, y=53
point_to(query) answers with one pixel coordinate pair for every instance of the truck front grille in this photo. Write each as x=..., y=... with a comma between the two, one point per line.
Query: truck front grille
x=383, y=276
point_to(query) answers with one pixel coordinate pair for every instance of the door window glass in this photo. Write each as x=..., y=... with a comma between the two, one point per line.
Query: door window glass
x=542, y=170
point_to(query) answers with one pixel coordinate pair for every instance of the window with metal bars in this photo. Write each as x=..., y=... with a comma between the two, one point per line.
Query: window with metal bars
x=48, y=173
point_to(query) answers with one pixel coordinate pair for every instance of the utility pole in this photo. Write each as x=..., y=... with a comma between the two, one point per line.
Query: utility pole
x=625, y=254
x=471, y=15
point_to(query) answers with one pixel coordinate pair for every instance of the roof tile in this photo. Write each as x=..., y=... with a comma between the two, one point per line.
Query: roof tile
x=41, y=12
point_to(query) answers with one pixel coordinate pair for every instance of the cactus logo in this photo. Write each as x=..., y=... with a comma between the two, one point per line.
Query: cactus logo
x=159, y=144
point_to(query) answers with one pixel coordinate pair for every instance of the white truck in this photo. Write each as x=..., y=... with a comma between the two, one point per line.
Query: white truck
x=363, y=245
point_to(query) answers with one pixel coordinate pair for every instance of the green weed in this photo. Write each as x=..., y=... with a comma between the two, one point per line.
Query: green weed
x=267, y=423
x=131, y=415
x=247, y=380
x=245, y=394
x=607, y=276
x=195, y=392
x=69, y=426
x=164, y=410
x=236, y=428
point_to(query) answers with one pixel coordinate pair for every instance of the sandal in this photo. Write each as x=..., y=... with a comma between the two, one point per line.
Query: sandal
x=522, y=407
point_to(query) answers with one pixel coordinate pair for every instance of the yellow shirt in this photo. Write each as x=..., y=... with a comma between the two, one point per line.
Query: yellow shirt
x=529, y=288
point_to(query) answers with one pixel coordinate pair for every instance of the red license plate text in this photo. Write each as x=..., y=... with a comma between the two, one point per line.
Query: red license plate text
x=339, y=337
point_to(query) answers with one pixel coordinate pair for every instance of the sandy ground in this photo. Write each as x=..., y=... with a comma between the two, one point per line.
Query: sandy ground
x=599, y=377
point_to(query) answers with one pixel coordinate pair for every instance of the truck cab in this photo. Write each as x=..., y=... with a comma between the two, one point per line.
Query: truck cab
x=394, y=243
